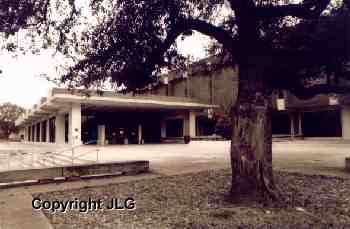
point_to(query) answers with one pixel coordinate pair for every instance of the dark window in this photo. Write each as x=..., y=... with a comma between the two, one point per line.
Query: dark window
x=174, y=128
x=281, y=123
x=52, y=129
x=204, y=126
x=66, y=127
x=322, y=124
x=37, y=132
x=29, y=133
x=33, y=133
x=43, y=131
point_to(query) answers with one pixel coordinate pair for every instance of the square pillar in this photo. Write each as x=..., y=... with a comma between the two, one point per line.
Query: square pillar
x=292, y=130
x=74, y=131
x=189, y=123
x=139, y=134
x=163, y=128
x=59, y=129
x=48, y=130
x=101, y=135
x=345, y=122
x=25, y=133
x=300, y=128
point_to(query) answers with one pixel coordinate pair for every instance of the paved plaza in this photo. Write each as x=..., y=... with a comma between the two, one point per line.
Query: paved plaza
x=315, y=157
x=322, y=156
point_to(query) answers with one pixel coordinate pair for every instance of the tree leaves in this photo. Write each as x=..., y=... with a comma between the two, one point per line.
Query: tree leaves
x=9, y=113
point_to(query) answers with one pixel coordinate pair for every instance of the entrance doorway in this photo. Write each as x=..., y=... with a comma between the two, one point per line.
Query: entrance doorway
x=322, y=124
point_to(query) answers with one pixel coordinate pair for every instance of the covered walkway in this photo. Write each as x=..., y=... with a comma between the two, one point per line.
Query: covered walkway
x=78, y=117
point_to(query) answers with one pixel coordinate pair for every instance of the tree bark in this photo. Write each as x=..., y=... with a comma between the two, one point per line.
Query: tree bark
x=251, y=144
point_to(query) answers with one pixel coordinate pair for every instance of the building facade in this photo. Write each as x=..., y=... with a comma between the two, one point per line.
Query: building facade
x=324, y=116
x=78, y=117
x=181, y=104
x=321, y=116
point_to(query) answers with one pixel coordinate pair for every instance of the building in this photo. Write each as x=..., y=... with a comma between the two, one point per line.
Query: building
x=181, y=104
x=86, y=117
x=207, y=81
x=321, y=116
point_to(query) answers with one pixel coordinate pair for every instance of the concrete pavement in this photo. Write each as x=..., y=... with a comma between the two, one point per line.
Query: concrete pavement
x=313, y=157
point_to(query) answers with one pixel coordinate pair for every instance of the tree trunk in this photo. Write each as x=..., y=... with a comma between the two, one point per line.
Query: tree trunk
x=251, y=144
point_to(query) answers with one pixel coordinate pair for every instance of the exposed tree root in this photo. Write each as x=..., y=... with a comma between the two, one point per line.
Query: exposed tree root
x=254, y=179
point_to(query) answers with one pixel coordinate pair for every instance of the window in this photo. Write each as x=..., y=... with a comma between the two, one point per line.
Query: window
x=37, y=132
x=174, y=128
x=29, y=133
x=52, y=129
x=66, y=127
x=33, y=133
x=43, y=131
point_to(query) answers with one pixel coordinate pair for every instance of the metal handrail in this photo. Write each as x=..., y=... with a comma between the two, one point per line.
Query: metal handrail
x=77, y=156
x=74, y=147
x=42, y=158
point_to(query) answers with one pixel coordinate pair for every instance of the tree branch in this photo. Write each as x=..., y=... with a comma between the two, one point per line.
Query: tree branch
x=222, y=36
x=306, y=93
x=309, y=9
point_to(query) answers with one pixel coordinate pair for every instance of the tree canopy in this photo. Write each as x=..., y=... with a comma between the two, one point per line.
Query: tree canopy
x=9, y=113
x=128, y=42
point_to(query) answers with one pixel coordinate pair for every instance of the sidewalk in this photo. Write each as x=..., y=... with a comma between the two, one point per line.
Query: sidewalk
x=16, y=210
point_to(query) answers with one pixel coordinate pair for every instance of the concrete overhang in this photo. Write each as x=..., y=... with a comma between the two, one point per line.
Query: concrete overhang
x=133, y=102
x=59, y=101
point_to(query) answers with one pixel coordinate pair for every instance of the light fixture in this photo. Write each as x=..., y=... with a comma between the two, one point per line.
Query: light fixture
x=281, y=104
x=333, y=100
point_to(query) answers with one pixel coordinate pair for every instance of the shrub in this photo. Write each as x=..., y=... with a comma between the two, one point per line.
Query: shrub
x=223, y=127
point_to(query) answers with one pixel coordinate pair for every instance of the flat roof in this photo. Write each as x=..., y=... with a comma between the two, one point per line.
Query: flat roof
x=59, y=100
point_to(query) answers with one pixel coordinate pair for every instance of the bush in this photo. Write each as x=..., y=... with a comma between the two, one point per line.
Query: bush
x=223, y=127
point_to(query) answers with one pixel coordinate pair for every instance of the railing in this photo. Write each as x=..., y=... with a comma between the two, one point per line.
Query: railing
x=13, y=160
x=72, y=156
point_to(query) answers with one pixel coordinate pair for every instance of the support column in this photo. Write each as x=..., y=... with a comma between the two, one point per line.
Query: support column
x=48, y=130
x=59, y=129
x=345, y=122
x=292, y=130
x=163, y=128
x=101, y=135
x=74, y=131
x=189, y=126
x=139, y=134
x=300, y=128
